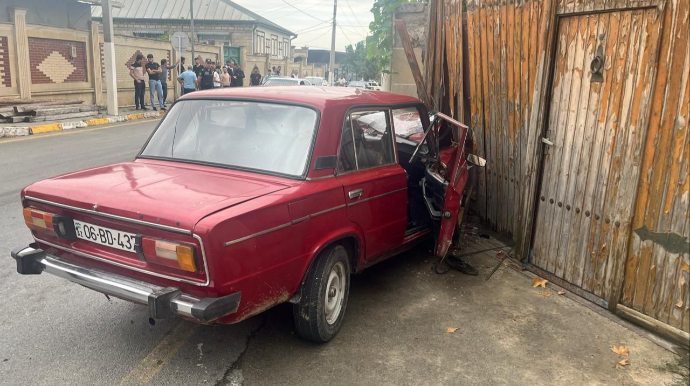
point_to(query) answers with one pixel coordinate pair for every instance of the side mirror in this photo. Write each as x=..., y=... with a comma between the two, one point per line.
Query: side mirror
x=476, y=160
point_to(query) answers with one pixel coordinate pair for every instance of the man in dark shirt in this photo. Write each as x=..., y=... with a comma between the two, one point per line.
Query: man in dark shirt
x=205, y=76
x=198, y=66
x=155, y=86
x=164, y=78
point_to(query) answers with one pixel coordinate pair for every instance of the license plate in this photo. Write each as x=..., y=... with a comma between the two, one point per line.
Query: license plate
x=105, y=236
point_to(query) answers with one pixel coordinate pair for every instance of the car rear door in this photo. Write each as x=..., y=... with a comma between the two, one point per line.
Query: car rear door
x=375, y=186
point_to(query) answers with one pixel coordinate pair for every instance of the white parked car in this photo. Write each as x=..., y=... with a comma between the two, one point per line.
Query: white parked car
x=357, y=83
x=317, y=80
x=373, y=85
x=285, y=81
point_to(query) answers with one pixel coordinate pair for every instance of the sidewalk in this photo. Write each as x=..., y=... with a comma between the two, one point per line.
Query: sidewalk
x=406, y=325
x=24, y=129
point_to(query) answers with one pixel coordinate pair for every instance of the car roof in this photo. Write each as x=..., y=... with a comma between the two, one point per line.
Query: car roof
x=317, y=96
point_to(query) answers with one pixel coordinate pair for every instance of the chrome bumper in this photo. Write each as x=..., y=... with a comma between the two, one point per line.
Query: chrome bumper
x=162, y=302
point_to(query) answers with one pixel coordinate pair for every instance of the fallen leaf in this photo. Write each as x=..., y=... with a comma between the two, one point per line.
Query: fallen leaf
x=561, y=292
x=622, y=350
x=539, y=282
x=546, y=293
x=505, y=264
x=622, y=363
x=451, y=329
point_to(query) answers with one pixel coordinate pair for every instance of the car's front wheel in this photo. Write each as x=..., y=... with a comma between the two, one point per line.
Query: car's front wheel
x=323, y=300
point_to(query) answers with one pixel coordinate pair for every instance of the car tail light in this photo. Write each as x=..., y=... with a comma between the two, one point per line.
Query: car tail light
x=175, y=255
x=44, y=222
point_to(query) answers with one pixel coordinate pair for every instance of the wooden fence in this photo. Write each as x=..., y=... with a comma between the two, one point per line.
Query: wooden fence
x=581, y=109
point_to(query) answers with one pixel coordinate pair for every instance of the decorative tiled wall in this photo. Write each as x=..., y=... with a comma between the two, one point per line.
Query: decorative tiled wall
x=51, y=61
x=5, y=75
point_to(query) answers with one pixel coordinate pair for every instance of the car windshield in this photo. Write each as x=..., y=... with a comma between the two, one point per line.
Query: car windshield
x=264, y=137
x=356, y=84
x=281, y=82
x=314, y=80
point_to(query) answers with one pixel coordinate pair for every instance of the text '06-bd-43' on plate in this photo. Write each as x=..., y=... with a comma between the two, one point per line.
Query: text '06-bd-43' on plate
x=208, y=222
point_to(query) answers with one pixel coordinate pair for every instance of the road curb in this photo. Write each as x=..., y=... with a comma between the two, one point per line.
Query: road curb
x=15, y=131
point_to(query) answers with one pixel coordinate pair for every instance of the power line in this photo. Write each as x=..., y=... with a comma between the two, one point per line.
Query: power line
x=313, y=17
x=315, y=25
x=348, y=39
x=320, y=36
x=316, y=29
x=353, y=12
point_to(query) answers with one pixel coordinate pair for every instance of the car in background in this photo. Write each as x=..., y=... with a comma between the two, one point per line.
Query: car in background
x=245, y=198
x=373, y=85
x=285, y=81
x=317, y=80
x=357, y=83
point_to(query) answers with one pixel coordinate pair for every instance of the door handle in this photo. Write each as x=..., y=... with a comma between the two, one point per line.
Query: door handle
x=355, y=193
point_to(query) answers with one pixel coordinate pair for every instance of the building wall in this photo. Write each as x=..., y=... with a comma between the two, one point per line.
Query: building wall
x=61, y=14
x=415, y=16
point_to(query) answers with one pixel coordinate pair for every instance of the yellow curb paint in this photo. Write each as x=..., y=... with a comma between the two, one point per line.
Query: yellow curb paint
x=131, y=117
x=46, y=128
x=148, y=367
x=67, y=132
x=97, y=121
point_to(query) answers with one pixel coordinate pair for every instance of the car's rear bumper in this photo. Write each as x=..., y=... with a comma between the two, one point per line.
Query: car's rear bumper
x=162, y=302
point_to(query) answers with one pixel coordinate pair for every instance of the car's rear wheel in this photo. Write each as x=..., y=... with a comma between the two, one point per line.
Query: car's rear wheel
x=323, y=300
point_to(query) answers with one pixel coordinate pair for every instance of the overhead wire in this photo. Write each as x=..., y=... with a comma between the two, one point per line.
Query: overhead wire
x=313, y=17
x=353, y=13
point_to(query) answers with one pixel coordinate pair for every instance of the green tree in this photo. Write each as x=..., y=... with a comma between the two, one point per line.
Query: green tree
x=380, y=42
x=356, y=62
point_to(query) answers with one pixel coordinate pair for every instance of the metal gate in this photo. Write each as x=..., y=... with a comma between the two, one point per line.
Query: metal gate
x=602, y=83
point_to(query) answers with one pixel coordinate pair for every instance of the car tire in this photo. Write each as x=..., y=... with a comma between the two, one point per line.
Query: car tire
x=323, y=299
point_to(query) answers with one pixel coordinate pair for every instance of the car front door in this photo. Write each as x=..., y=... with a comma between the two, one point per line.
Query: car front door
x=445, y=177
x=375, y=186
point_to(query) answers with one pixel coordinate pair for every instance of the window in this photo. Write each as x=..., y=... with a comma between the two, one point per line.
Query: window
x=260, y=42
x=366, y=141
x=274, y=44
x=286, y=45
x=262, y=137
x=407, y=122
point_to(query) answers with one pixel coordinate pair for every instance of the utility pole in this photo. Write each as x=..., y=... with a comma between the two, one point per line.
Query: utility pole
x=331, y=62
x=191, y=23
x=109, y=57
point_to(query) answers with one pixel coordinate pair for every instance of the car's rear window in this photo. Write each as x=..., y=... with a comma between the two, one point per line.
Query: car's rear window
x=264, y=137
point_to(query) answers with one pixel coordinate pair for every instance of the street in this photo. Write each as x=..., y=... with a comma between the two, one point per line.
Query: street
x=395, y=333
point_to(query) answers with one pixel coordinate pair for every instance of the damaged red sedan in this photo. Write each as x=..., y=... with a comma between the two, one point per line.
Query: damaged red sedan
x=246, y=198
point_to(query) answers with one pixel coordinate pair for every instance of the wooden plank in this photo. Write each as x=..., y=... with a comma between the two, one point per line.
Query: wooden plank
x=412, y=61
x=517, y=122
x=618, y=60
x=33, y=106
x=589, y=105
x=62, y=116
x=663, y=329
x=493, y=161
x=524, y=104
x=503, y=119
x=509, y=102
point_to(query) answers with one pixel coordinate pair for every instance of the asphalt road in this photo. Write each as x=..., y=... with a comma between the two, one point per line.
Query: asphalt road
x=58, y=333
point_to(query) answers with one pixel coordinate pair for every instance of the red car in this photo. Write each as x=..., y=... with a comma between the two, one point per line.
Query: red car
x=246, y=198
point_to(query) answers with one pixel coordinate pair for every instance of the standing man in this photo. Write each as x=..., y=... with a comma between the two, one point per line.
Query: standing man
x=268, y=75
x=136, y=71
x=164, y=78
x=239, y=76
x=154, y=70
x=255, y=77
x=205, y=77
x=198, y=67
x=188, y=80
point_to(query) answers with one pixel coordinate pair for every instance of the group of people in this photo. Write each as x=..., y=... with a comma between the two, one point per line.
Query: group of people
x=209, y=75
x=158, y=80
x=200, y=76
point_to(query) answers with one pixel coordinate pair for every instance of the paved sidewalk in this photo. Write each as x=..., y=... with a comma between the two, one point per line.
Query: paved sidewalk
x=508, y=333
x=24, y=129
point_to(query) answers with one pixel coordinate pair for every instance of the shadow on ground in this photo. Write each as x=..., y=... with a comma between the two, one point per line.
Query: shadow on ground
x=507, y=333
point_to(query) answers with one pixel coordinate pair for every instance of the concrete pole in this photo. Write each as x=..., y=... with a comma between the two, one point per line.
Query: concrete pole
x=191, y=25
x=331, y=62
x=109, y=57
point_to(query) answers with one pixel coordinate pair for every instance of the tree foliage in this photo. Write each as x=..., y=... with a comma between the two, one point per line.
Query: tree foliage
x=357, y=64
x=380, y=40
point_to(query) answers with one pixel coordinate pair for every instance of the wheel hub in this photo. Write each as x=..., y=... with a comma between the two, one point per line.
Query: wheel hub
x=335, y=290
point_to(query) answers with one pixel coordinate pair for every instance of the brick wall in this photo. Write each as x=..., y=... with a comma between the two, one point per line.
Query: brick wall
x=51, y=61
x=126, y=55
x=5, y=75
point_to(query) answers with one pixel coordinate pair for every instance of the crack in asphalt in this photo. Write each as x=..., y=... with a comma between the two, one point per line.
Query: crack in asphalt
x=233, y=375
